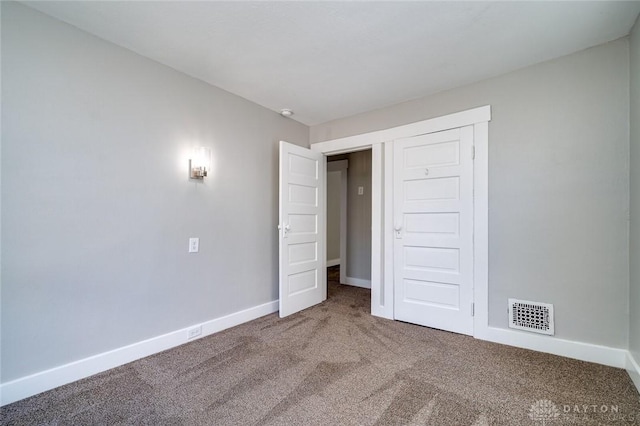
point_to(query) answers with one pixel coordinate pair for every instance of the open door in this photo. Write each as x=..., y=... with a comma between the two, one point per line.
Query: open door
x=303, y=281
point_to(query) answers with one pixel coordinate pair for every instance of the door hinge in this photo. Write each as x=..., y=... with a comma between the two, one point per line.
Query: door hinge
x=473, y=152
x=473, y=309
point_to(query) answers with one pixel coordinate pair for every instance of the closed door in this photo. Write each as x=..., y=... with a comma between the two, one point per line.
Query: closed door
x=303, y=280
x=433, y=230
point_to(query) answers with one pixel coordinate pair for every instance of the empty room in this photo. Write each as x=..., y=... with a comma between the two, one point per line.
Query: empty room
x=320, y=213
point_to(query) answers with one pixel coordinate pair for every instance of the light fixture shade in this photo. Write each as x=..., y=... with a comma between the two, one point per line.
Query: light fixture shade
x=200, y=163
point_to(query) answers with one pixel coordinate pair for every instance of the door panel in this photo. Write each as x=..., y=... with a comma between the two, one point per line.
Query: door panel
x=303, y=253
x=437, y=154
x=303, y=195
x=432, y=293
x=433, y=218
x=432, y=224
x=301, y=238
x=432, y=189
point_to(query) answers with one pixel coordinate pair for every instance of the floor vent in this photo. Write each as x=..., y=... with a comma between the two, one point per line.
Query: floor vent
x=531, y=316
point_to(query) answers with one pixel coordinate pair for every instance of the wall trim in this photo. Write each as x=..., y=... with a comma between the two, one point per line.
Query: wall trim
x=385, y=302
x=377, y=234
x=27, y=386
x=633, y=368
x=341, y=166
x=357, y=282
x=333, y=262
x=481, y=228
x=33, y=384
x=589, y=352
x=365, y=140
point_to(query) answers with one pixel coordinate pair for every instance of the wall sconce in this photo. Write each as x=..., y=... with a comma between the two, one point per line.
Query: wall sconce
x=200, y=163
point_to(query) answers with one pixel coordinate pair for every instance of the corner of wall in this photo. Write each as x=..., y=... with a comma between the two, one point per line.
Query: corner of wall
x=633, y=357
x=634, y=191
x=633, y=369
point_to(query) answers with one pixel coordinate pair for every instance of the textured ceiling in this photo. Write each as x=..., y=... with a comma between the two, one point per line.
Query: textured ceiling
x=328, y=60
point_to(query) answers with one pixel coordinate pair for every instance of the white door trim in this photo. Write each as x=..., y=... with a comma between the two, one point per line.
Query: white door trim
x=342, y=166
x=382, y=183
x=367, y=140
x=379, y=297
x=481, y=230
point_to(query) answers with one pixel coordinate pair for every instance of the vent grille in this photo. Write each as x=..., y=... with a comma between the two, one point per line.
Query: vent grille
x=531, y=316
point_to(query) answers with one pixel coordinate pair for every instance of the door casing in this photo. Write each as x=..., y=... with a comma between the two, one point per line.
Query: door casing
x=342, y=166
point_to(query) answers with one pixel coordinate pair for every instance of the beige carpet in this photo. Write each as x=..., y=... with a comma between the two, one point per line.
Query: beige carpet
x=335, y=364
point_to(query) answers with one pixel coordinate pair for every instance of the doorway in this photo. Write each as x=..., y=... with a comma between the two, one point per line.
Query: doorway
x=349, y=217
x=383, y=232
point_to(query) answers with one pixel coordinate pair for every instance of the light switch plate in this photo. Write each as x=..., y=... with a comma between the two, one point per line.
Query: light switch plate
x=361, y=190
x=194, y=245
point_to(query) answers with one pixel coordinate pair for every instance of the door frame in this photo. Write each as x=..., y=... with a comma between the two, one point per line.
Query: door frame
x=341, y=166
x=381, y=144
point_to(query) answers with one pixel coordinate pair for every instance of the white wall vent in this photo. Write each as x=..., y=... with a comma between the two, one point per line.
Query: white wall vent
x=531, y=316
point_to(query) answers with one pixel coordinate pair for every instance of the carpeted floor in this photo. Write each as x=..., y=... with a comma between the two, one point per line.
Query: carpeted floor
x=334, y=364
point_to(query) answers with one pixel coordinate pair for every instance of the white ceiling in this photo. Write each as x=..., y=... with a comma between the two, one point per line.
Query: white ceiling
x=328, y=60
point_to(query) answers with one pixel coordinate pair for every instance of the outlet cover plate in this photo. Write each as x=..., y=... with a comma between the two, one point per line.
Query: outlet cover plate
x=195, y=332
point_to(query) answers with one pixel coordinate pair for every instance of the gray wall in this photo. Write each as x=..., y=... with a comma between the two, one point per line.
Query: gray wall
x=558, y=185
x=359, y=216
x=96, y=205
x=334, y=182
x=634, y=250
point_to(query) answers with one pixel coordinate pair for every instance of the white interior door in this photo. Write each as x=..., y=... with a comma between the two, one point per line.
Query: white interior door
x=303, y=281
x=433, y=223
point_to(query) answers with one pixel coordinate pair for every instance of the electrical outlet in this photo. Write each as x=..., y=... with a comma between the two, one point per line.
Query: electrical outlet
x=195, y=332
x=194, y=245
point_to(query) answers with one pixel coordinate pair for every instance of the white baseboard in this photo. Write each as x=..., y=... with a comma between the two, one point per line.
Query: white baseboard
x=357, y=282
x=605, y=355
x=633, y=368
x=39, y=382
x=333, y=262
x=45, y=380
